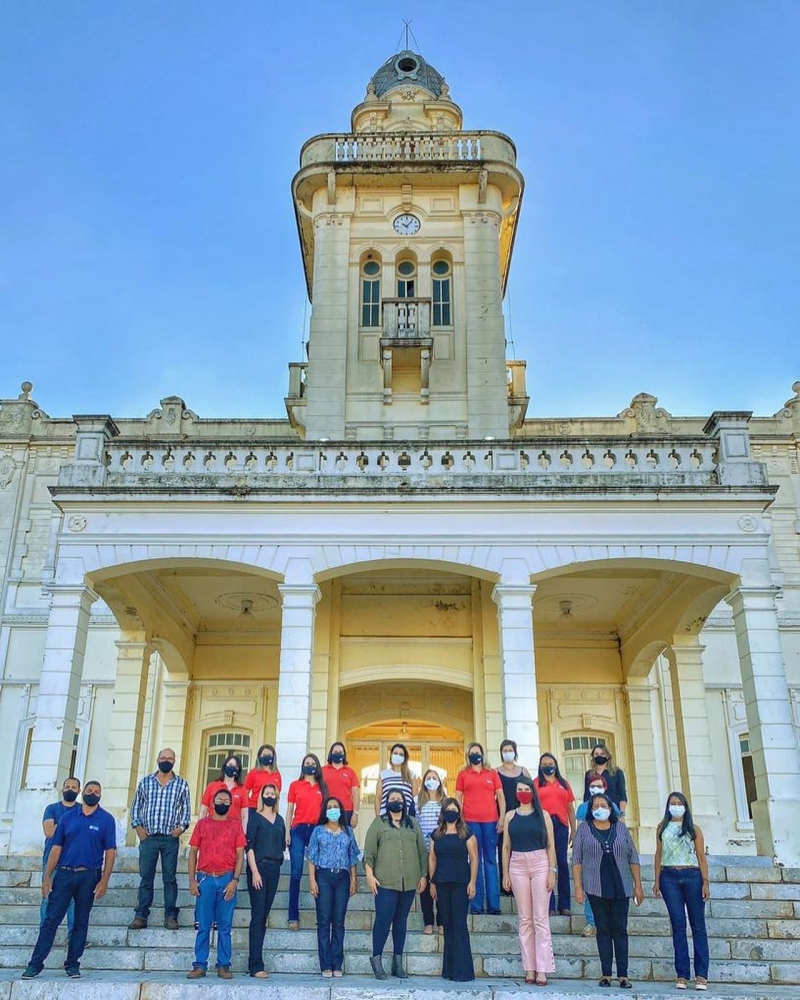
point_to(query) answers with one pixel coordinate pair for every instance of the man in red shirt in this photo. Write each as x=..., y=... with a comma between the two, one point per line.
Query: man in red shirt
x=216, y=857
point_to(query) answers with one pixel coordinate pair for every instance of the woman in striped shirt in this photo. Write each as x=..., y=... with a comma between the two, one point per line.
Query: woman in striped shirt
x=397, y=776
x=429, y=811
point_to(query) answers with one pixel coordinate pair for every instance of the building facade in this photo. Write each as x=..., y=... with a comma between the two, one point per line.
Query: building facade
x=406, y=556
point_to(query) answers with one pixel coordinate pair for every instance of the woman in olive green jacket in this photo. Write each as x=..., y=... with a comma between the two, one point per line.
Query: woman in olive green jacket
x=395, y=860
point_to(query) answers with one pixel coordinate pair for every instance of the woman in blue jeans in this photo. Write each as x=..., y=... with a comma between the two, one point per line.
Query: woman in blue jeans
x=681, y=878
x=306, y=796
x=332, y=855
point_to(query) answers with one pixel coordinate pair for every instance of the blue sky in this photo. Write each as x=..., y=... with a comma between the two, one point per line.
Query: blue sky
x=148, y=244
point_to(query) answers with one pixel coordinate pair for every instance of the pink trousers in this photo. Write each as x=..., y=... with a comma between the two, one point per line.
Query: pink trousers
x=528, y=874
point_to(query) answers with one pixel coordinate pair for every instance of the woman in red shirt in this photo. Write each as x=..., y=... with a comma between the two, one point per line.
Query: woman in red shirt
x=342, y=782
x=557, y=799
x=306, y=797
x=480, y=794
x=230, y=777
x=264, y=773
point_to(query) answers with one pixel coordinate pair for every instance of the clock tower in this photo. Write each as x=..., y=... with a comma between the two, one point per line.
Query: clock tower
x=406, y=228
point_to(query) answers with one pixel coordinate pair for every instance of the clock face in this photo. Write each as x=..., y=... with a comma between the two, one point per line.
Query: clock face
x=406, y=225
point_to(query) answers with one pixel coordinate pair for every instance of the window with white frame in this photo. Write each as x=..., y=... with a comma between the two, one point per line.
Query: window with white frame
x=574, y=762
x=406, y=279
x=748, y=772
x=442, y=289
x=222, y=745
x=370, y=293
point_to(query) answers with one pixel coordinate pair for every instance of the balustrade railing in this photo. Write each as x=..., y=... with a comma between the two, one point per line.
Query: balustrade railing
x=406, y=318
x=402, y=147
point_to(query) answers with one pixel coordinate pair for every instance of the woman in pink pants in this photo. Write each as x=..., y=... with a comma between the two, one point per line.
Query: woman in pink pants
x=529, y=858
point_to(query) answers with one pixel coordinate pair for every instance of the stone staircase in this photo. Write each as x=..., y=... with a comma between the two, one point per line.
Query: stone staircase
x=753, y=924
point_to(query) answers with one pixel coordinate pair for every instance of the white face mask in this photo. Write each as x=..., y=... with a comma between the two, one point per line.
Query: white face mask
x=397, y=759
x=508, y=756
x=597, y=791
x=601, y=814
x=677, y=811
x=432, y=784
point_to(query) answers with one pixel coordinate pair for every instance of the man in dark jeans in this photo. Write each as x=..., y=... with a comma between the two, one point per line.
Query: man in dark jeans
x=82, y=858
x=160, y=813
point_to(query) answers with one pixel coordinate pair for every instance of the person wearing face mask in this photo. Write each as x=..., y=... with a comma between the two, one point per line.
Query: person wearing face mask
x=681, y=878
x=397, y=775
x=78, y=871
x=306, y=796
x=53, y=814
x=530, y=860
x=429, y=808
x=160, y=813
x=479, y=792
x=453, y=870
x=342, y=782
x=603, y=767
x=332, y=855
x=216, y=859
x=230, y=778
x=597, y=786
x=265, y=772
x=396, y=864
x=558, y=801
x=266, y=837
x=508, y=772
x=605, y=868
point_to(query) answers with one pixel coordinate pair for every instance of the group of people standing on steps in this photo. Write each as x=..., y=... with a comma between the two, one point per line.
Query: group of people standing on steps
x=500, y=828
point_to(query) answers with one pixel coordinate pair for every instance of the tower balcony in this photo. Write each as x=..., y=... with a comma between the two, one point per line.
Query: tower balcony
x=406, y=319
x=408, y=147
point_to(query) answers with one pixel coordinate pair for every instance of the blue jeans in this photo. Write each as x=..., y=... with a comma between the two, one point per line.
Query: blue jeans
x=298, y=842
x=212, y=907
x=334, y=895
x=68, y=887
x=43, y=909
x=487, y=885
x=392, y=907
x=682, y=889
x=587, y=911
x=561, y=898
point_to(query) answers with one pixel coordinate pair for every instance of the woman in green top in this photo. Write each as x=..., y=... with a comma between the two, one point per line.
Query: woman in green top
x=395, y=860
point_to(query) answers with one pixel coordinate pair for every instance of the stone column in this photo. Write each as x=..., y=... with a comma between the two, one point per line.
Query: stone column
x=776, y=759
x=518, y=665
x=695, y=756
x=127, y=721
x=176, y=693
x=56, y=711
x=645, y=805
x=300, y=595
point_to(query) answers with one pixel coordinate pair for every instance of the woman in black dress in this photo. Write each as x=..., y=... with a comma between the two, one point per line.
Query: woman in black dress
x=266, y=836
x=453, y=870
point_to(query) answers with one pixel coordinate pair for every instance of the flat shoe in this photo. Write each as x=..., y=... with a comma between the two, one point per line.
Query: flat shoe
x=625, y=984
x=701, y=984
x=681, y=984
x=604, y=982
x=337, y=973
x=260, y=975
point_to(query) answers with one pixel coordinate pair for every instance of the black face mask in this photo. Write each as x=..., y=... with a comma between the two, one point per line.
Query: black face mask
x=337, y=758
x=394, y=807
x=90, y=799
x=220, y=808
x=601, y=759
x=309, y=769
x=165, y=766
x=265, y=761
x=69, y=795
x=548, y=770
x=269, y=801
x=451, y=815
x=475, y=758
x=231, y=771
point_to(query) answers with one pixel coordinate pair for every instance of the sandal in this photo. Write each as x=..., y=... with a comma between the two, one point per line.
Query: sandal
x=293, y=925
x=530, y=978
x=541, y=979
x=260, y=975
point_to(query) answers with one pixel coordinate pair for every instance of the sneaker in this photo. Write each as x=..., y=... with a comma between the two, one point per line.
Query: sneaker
x=196, y=973
x=171, y=924
x=30, y=973
x=73, y=973
x=224, y=972
x=137, y=924
x=701, y=984
x=589, y=931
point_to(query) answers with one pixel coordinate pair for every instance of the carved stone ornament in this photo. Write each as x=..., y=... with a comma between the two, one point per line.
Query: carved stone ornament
x=76, y=523
x=7, y=469
x=748, y=523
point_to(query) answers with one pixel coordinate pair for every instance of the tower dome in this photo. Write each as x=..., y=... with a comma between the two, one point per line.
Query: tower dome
x=408, y=67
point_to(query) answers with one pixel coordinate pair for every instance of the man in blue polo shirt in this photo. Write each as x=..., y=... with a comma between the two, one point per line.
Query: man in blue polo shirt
x=53, y=815
x=82, y=858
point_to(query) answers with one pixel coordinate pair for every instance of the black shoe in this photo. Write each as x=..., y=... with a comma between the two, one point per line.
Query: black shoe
x=397, y=967
x=30, y=973
x=74, y=972
x=495, y=913
x=625, y=984
x=604, y=982
x=376, y=961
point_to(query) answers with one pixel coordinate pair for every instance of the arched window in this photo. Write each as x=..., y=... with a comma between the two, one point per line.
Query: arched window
x=370, y=293
x=406, y=279
x=222, y=745
x=574, y=762
x=442, y=275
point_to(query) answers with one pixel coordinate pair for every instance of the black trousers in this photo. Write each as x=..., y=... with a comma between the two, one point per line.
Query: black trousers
x=261, y=901
x=453, y=904
x=428, y=907
x=611, y=918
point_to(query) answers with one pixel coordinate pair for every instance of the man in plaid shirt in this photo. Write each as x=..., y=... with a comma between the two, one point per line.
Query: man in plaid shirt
x=160, y=813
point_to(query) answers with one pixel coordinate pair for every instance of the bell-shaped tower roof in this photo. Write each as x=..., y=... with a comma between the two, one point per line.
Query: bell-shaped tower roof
x=405, y=68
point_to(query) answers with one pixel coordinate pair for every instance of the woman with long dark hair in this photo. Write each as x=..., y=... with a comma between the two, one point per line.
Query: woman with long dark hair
x=266, y=836
x=332, y=855
x=508, y=771
x=603, y=766
x=230, y=778
x=558, y=801
x=397, y=775
x=480, y=795
x=306, y=796
x=265, y=772
x=681, y=878
x=530, y=863
x=342, y=782
x=453, y=869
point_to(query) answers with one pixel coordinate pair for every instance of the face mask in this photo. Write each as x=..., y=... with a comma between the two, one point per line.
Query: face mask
x=601, y=814
x=69, y=795
x=601, y=759
x=451, y=815
x=475, y=758
x=597, y=791
x=525, y=798
x=337, y=758
x=309, y=769
x=394, y=807
x=165, y=766
x=333, y=815
x=398, y=759
x=508, y=756
x=677, y=811
x=90, y=799
x=231, y=771
x=269, y=801
x=432, y=784
x=548, y=770
x=220, y=808
x=266, y=760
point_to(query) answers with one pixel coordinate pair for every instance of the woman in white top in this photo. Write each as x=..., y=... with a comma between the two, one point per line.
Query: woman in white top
x=429, y=812
x=397, y=776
